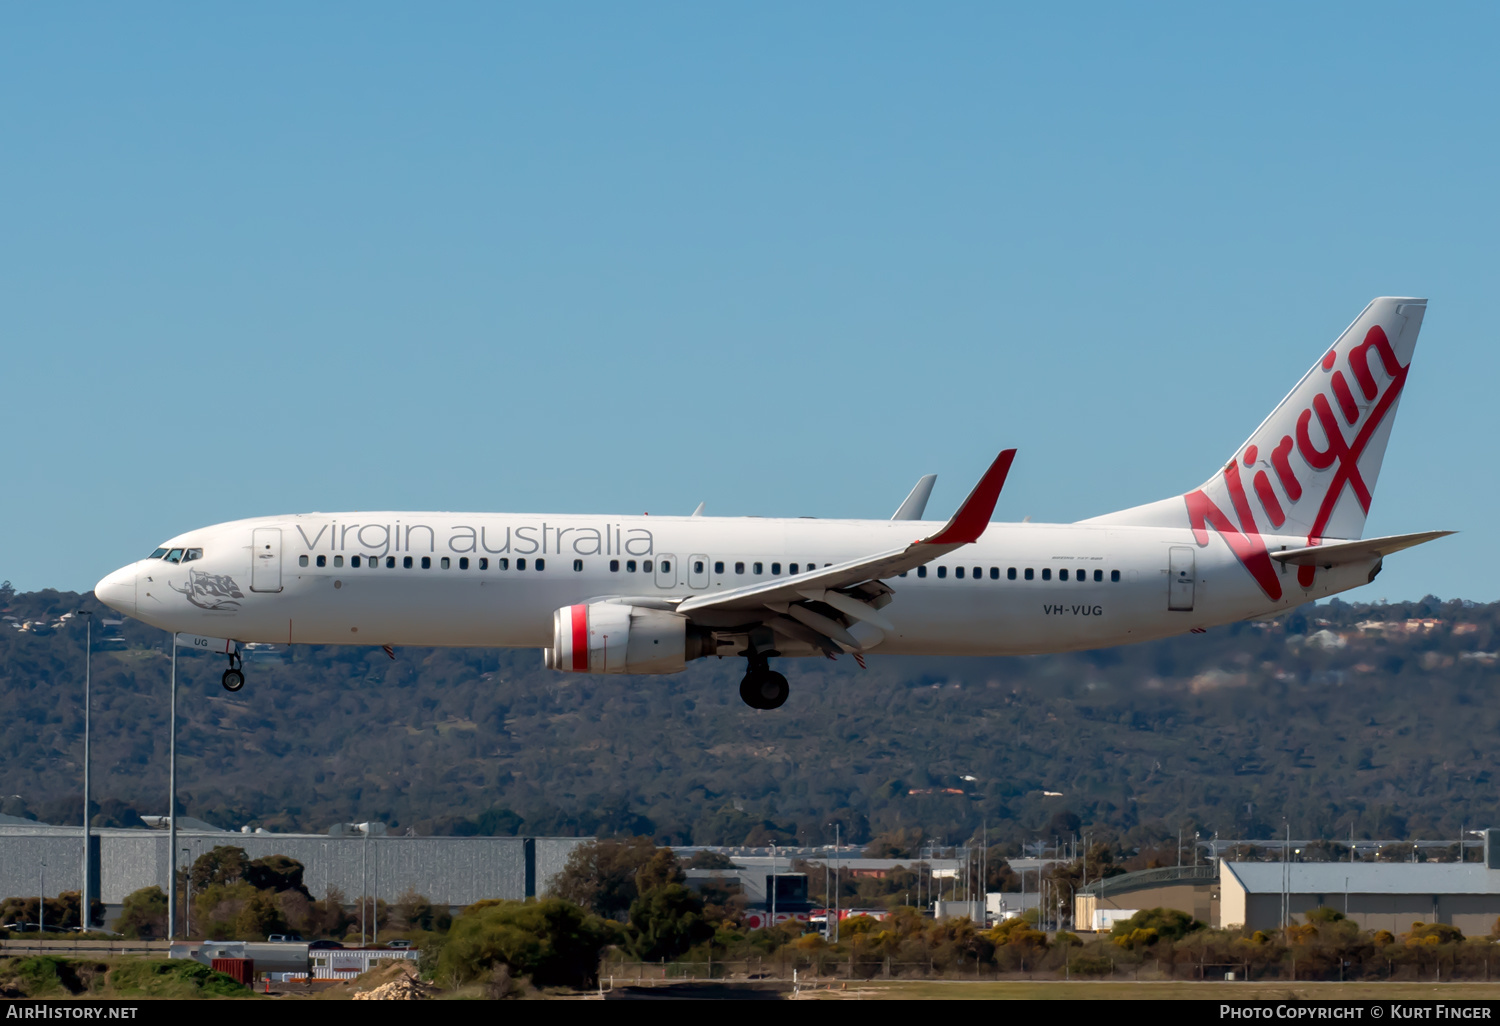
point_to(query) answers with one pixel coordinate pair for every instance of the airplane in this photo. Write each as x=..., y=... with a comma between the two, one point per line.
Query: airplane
x=1280, y=523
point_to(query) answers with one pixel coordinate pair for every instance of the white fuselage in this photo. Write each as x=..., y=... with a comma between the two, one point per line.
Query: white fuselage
x=294, y=579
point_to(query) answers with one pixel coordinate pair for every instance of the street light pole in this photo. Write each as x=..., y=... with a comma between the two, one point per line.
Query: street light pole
x=88, y=652
x=187, y=912
x=172, y=799
x=41, y=901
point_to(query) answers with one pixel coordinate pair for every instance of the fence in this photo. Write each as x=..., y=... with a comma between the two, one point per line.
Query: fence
x=9, y=948
x=811, y=969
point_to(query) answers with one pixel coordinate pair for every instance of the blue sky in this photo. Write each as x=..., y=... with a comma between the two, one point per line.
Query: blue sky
x=784, y=258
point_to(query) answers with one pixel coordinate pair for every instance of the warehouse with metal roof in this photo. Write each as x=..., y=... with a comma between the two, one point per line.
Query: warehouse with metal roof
x=1376, y=895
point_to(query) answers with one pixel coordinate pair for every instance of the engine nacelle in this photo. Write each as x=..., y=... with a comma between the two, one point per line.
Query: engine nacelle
x=610, y=637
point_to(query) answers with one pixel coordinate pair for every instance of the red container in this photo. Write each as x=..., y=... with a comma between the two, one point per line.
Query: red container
x=241, y=970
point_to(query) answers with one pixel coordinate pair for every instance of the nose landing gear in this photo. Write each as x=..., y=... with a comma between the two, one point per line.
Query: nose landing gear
x=763, y=687
x=234, y=677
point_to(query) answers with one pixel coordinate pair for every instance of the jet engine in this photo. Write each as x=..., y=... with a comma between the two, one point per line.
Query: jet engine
x=611, y=637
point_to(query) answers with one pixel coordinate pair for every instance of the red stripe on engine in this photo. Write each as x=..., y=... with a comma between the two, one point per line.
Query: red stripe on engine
x=581, y=639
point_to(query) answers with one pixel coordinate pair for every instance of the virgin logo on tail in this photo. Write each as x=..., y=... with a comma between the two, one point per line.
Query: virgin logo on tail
x=1340, y=455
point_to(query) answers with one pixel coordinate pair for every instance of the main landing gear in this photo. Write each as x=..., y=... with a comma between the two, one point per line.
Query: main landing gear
x=234, y=677
x=763, y=687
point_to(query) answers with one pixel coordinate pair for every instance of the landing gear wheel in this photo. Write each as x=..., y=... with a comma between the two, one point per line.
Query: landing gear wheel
x=764, y=689
x=232, y=680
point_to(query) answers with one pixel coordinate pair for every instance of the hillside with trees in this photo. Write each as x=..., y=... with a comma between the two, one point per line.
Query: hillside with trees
x=1377, y=718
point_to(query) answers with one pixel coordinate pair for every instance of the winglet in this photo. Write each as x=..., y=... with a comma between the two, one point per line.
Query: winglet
x=916, y=503
x=974, y=515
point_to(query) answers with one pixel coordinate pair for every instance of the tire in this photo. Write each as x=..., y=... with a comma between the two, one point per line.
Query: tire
x=750, y=690
x=232, y=680
x=773, y=690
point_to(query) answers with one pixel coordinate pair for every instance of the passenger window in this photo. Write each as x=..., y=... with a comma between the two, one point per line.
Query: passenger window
x=175, y=556
x=541, y=564
x=1062, y=575
x=1083, y=575
x=1098, y=575
x=739, y=568
x=775, y=568
x=614, y=566
x=759, y=568
x=698, y=566
x=322, y=560
x=792, y=569
x=666, y=566
x=444, y=563
x=406, y=562
x=338, y=560
x=463, y=562
x=521, y=563
x=484, y=562
x=301, y=560
x=1114, y=575
x=577, y=565
x=942, y=572
x=995, y=573
x=921, y=571
x=977, y=573
x=1046, y=573
x=903, y=573
x=426, y=562
x=645, y=566
x=958, y=572
x=192, y=554
x=354, y=562
x=390, y=562
x=1030, y=574
x=1010, y=573
x=503, y=563
x=718, y=566
x=630, y=566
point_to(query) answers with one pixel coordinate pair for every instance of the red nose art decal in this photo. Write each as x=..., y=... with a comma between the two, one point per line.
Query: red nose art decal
x=580, y=638
x=1341, y=456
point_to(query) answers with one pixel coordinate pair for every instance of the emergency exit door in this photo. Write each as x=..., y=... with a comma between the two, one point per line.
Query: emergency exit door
x=265, y=559
x=1181, y=576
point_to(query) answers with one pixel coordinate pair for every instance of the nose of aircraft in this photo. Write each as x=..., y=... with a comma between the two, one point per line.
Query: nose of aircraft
x=118, y=590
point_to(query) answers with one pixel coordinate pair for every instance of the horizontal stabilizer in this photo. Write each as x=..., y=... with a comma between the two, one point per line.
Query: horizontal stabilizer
x=1344, y=553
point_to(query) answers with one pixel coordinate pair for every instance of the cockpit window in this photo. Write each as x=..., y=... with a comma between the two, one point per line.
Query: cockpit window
x=157, y=554
x=191, y=554
x=175, y=556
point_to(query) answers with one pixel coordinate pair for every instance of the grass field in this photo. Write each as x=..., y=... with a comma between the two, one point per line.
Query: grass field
x=929, y=990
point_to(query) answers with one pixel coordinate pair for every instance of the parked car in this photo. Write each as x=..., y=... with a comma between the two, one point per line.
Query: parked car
x=325, y=945
x=284, y=938
x=400, y=945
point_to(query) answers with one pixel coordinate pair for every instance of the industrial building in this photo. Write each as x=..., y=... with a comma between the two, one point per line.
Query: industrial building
x=1376, y=895
x=454, y=871
x=1260, y=895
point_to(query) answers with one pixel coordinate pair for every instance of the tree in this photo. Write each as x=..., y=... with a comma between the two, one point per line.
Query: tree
x=555, y=942
x=601, y=875
x=666, y=921
x=710, y=860
x=413, y=911
x=143, y=914
x=894, y=844
x=259, y=917
x=661, y=870
x=275, y=873
x=224, y=864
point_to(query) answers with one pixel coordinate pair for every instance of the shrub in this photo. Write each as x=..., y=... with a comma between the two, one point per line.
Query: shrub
x=554, y=942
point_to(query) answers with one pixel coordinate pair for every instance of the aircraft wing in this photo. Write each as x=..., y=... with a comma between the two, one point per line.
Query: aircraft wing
x=847, y=589
x=1344, y=553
